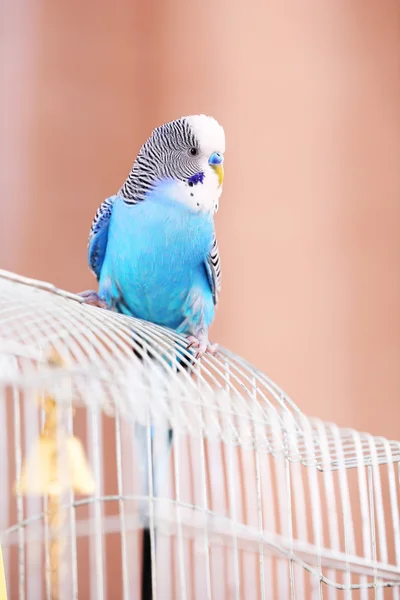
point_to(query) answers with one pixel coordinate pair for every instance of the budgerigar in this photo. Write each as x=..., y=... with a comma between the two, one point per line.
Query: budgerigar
x=152, y=246
x=153, y=249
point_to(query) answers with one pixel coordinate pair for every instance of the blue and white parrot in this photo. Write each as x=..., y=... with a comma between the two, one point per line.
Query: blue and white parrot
x=154, y=252
x=152, y=246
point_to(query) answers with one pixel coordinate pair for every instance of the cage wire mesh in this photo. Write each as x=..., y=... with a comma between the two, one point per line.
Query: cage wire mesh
x=254, y=501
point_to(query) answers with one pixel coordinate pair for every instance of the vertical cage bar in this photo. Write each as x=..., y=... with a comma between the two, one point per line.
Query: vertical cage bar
x=72, y=520
x=5, y=481
x=181, y=558
x=118, y=455
x=232, y=491
x=270, y=521
x=382, y=556
x=279, y=441
x=132, y=483
x=46, y=530
x=150, y=476
x=348, y=532
x=257, y=429
x=331, y=503
x=290, y=529
x=33, y=504
x=299, y=513
x=372, y=520
x=20, y=500
x=394, y=506
x=364, y=510
x=95, y=510
x=377, y=589
x=203, y=476
x=316, y=515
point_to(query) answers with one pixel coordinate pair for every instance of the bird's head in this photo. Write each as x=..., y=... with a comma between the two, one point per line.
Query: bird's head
x=186, y=158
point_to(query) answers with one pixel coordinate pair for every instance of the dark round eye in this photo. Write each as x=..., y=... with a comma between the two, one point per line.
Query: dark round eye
x=193, y=151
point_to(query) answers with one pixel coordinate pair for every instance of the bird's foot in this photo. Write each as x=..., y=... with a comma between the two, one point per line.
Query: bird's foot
x=91, y=297
x=202, y=345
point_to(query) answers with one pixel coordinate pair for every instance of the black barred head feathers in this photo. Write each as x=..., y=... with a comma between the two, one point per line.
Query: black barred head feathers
x=187, y=153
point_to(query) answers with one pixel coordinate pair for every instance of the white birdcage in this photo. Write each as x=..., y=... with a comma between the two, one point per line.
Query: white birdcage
x=256, y=501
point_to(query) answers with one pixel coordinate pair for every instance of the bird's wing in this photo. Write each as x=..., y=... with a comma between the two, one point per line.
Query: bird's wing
x=98, y=235
x=213, y=268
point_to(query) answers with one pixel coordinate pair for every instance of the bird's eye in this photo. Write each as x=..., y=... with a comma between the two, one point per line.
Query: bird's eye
x=193, y=151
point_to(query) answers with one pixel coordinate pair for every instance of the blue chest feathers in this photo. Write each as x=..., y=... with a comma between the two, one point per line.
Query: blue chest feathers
x=154, y=267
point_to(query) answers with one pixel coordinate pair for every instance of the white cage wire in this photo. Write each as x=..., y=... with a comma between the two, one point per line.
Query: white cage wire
x=257, y=501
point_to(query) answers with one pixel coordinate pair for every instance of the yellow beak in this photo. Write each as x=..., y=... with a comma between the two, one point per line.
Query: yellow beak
x=219, y=169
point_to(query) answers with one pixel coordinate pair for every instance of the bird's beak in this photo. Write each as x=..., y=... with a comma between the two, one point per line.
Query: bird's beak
x=219, y=169
x=216, y=161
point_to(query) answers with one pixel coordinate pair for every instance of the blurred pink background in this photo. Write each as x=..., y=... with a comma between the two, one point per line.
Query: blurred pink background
x=309, y=224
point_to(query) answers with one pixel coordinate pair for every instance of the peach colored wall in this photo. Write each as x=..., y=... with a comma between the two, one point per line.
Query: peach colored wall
x=309, y=226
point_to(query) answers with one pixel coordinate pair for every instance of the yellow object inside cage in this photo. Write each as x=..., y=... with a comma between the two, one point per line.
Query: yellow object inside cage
x=3, y=591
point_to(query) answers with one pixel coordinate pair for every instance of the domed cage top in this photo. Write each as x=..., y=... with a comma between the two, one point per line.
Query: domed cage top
x=254, y=500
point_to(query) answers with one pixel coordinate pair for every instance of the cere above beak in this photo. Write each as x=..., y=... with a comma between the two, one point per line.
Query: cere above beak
x=216, y=162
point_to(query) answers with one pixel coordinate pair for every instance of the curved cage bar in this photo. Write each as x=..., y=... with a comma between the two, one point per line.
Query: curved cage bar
x=255, y=500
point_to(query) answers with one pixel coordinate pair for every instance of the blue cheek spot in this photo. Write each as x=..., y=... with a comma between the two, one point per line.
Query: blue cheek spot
x=196, y=178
